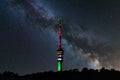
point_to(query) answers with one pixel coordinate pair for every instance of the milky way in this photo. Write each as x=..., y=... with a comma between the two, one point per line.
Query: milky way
x=90, y=34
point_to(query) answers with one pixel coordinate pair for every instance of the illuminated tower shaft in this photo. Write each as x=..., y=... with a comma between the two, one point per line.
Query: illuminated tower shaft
x=60, y=51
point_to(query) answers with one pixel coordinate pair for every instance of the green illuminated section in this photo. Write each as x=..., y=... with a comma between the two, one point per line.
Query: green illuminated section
x=59, y=66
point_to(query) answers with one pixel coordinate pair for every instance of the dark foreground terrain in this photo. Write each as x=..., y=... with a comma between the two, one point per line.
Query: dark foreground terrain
x=74, y=74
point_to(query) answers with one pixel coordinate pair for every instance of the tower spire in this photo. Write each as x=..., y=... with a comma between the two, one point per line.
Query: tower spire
x=60, y=34
x=60, y=51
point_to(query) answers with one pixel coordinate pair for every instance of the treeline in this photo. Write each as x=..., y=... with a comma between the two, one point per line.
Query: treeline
x=75, y=74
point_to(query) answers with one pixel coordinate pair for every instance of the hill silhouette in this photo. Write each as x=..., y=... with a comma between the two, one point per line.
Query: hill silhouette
x=85, y=74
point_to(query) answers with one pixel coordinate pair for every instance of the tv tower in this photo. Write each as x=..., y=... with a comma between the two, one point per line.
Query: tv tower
x=60, y=51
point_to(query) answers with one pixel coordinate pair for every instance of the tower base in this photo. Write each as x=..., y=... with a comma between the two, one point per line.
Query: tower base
x=59, y=63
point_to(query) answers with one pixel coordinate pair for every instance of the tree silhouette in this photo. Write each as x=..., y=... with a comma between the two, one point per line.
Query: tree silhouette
x=86, y=73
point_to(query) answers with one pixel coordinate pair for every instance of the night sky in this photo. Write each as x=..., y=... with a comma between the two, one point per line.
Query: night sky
x=29, y=37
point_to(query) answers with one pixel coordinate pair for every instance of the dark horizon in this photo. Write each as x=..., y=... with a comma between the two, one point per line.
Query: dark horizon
x=84, y=70
x=85, y=74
